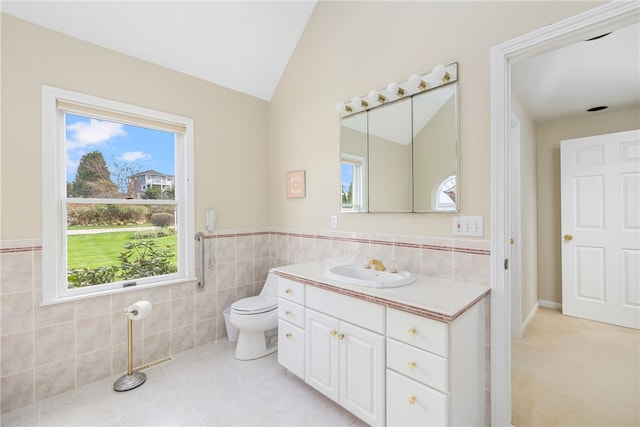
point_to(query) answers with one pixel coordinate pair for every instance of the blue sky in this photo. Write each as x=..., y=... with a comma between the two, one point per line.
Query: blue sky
x=347, y=176
x=124, y=144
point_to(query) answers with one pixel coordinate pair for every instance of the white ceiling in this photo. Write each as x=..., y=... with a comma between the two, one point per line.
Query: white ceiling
x=241, y=45
x=565, y=82
x=246, y=45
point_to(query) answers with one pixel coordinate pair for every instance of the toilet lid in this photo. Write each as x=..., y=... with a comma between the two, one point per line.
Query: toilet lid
x=255, y=305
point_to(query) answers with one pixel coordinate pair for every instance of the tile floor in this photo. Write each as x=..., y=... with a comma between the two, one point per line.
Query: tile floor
x=203, y=386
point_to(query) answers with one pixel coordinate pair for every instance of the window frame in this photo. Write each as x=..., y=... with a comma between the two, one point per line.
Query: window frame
x=54, y=198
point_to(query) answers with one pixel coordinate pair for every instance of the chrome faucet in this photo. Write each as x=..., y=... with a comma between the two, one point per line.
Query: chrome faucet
x=377, y=265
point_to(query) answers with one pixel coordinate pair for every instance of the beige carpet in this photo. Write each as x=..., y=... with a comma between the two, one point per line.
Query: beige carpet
x=574, y=372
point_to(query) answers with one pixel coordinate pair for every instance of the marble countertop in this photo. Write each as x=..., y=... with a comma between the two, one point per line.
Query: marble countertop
x=432, y=297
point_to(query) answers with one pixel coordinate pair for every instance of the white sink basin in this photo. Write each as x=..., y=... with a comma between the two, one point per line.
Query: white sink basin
x=358, y=275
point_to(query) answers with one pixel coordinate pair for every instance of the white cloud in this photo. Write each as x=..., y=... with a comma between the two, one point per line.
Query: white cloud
x=96, y=132
x=132, y=156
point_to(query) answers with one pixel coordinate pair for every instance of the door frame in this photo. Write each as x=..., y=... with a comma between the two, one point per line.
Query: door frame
x=593, y=22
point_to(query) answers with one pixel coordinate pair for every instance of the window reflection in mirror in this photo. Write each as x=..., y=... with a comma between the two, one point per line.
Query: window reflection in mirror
x=353, y=163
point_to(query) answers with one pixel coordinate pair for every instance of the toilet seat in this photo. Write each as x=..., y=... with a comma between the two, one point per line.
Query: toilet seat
x=255, y=305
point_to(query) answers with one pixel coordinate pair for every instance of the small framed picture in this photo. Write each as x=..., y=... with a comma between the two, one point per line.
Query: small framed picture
x=295, y=184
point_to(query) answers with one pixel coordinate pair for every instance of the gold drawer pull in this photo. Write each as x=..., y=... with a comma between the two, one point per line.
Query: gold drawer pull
x=341, y=336
x=288, y=291
x=288, y=312
x=412, y=331
x=412, y=364
x=333, y=332
x=289, y=335
x=412, y=399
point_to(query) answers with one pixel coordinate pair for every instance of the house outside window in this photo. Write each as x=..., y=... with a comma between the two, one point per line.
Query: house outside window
x=140, y=182
x=109, y=222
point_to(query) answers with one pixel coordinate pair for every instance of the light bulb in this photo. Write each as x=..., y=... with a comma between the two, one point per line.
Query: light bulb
x=394, y=89
x=357, y=102
x=415, y=80
x=341, y=107
x=439, y=72
x=375, y=96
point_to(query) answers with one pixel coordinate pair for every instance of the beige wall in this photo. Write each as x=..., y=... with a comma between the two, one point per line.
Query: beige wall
x=527, y=185
x=349, y=48
x=230, y=128
x=549, y=136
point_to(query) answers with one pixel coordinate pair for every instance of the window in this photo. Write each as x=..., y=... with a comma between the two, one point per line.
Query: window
x=117, y=196
x=352, y=177
x=445, y=196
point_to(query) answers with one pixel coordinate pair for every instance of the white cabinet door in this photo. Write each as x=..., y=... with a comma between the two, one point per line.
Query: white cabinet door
x=362, y=373
x=321, y=353
x=291, y=347
x=600, y=182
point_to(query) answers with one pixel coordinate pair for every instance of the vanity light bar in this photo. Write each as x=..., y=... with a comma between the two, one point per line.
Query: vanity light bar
x=416, y=83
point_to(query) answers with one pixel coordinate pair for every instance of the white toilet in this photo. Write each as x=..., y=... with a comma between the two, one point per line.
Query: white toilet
x=254, y=316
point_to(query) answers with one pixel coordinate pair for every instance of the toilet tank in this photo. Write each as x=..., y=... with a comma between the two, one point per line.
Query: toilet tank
x=270, y=285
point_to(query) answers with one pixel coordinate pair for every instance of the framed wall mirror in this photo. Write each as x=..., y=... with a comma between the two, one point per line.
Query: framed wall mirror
x=402, y=154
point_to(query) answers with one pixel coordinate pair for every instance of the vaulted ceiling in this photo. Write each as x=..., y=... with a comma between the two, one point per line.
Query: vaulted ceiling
x=246, y=45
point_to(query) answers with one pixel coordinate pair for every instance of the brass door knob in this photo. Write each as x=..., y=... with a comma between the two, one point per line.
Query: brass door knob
x=288, y=291
x=289, y=335
x=411, y=364
x=333, y=332
x=288, y=312
x=568, y=237
x=341, y=336
x=512, y=241
x=412, y=399
x=412, y=331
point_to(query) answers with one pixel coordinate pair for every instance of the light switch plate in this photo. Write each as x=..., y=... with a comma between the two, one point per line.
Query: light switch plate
x=468, y=226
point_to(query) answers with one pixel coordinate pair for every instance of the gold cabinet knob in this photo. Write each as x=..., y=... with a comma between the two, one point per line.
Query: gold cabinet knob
x=568, y=237
x=412, y=399
x=288, y=291
x=289, y=335
x=341, y=336
x=512, y=241
x=333, y=332
x=288, y=312
x=411, y=365
x=412, y=331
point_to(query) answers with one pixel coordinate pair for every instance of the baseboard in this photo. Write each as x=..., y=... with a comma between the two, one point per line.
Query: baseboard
x=529, y=318
x=550, y=304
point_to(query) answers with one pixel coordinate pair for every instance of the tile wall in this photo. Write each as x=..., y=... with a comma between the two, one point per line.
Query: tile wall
x=46, y=350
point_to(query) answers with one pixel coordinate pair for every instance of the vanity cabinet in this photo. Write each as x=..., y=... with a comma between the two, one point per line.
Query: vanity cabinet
x=346, y=363
x=388, y=361
x=435, y=370
x=291, y=325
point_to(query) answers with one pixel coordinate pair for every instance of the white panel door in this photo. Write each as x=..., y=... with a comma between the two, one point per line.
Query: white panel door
x=321, y=368
x=362, y=373
x=601, y=228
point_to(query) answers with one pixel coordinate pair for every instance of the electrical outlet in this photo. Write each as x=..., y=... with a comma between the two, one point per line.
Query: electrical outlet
x=468, y=226
x=334, y=221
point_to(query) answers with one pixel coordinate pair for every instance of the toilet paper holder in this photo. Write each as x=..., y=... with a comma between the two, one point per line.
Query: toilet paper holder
x=132, y=379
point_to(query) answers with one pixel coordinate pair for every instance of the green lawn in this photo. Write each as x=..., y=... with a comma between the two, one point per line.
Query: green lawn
x=103, y=249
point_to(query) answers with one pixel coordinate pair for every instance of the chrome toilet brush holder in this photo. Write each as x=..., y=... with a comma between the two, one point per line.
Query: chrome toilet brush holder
x=131, y=379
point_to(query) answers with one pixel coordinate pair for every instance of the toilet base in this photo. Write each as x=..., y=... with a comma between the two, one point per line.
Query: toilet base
x=253, y=345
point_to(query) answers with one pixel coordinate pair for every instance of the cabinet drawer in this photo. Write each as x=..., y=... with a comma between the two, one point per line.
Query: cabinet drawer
x=291, y=347
x=293, y=291
x=410, y=403
x=291, y=312
x=417, y=364
x=418, y=331
x=356, y=311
